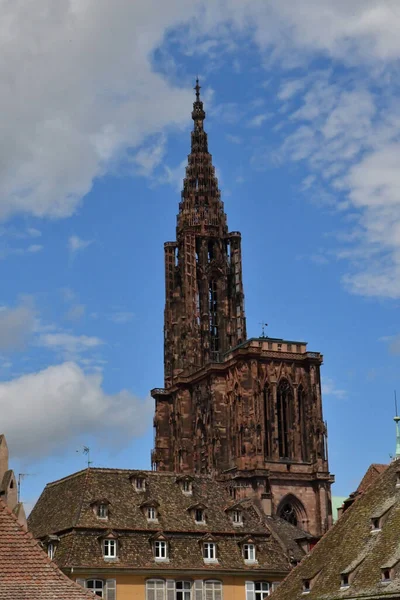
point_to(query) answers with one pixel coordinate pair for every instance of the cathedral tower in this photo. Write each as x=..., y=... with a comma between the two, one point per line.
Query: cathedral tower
x=248, y=411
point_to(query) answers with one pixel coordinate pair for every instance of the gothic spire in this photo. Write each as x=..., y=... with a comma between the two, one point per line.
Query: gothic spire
x=201, y=204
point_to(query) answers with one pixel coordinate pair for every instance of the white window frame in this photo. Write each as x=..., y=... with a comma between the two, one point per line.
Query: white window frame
x=151, y=513
x=252, y=593
x=209, y=552
x=160, y=550
x=51, y=550
x=250, y=550
x=110, y=548
x=140, y=484
x=155, y=585
x=94, y=589
x=203, y=516
x=185, y=592
x=187, y=487
x=237, y=517
x=216, y=589
x=102, y=511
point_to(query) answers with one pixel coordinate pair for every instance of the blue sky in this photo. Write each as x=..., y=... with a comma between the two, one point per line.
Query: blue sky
x=304, y=130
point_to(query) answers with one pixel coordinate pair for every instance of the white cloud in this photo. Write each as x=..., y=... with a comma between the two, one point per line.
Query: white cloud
x=290, y=88
x=150, y=156
x=76, y=244
x=16, y=325
x=329, y=388
x=74, y=405
x=258, y=120
x=34, y=248
x=122, y=317
x=68, y=343
x=75, y=312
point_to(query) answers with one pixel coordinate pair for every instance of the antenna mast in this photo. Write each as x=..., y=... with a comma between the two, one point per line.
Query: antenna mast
x=397, y=420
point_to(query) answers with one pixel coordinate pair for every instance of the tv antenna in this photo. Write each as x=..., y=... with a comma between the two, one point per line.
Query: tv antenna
x=86, y=451
x=21, y=476
x=397, y=420
x=263, y=326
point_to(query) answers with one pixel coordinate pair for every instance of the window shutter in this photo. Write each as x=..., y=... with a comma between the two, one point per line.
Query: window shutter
x=170, y=589
x=275, y=585
x=250, y=590
x=217, y=591
x=111, y=589
x=198, y=589
x=80, y=582
x=150, y=591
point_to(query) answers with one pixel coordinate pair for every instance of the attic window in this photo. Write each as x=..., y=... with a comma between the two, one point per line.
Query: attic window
x=102, y=511
x=199, y=515
x=237, y=518
x=398, y=478
x=306, y=586
x=186, y=486
x=375, y=524
x=209, y=552
x=151, y=513
x=249, y=553
x=279, y=346
x=345, y=580
x=110, y=548
x=51, y=550
x=140, y=484
x=386, y=575
x=160, y=550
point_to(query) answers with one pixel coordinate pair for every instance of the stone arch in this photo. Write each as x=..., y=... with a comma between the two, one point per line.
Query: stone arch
x=292, y=510
x=284, y=407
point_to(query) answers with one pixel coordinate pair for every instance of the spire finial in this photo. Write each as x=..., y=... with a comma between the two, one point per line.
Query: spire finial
x=197, y=88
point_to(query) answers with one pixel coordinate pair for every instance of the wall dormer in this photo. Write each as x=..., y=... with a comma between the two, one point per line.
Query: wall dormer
x=150, y=510
x=198, y=512
x=139, y=481
x=235, y=513
x=101, y=509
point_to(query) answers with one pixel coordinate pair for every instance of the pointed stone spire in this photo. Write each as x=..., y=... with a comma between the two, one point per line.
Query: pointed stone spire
x=201, y=204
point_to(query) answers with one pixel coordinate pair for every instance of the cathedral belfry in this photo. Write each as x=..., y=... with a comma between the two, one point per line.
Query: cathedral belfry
x=248, y=411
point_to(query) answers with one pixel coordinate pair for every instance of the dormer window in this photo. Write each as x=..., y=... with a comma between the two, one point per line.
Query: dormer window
x=345, y=580
x=140, y=484
x=237, y=517
x=102, y=511
x=186, y=486
x=306, y=586
x=398, y=478
x=110, y=548
x=375, y=524
x=51, y=550
x=151, y=513
x=249, y=553
x=199, y=515
x=160, y=550
x=210, y=552
x=386, y=575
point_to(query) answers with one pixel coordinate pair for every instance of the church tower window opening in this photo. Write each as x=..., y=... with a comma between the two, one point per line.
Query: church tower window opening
x=284, y=410
x=213, y=311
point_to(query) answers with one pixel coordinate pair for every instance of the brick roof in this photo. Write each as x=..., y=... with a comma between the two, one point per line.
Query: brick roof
x=26, y=573
x=65, y=508
x=351, y=547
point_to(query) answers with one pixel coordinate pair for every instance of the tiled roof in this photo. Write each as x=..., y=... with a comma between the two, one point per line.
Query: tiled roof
x=26, y=573
x=353, y=549
x=65, y=508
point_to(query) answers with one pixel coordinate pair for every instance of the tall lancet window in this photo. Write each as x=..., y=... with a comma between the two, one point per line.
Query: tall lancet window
x=213, y=311
x=268, y=418
x=301, y=403
x=284, y=409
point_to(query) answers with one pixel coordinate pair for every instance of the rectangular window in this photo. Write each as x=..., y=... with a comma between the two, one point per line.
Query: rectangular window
x=209, y=551
x=186, y=486
x=151, y=513
x=213, y=590
x=102, y=511
x=298, y=347
x=289, y=347
x=279, y=346
x=237, y=517
x=160, y=550
x=261, y=589
x=199, y=515
x=155, y=589
x=51, y=551
x=269, y=345
x=249, y=552
x=96, y=586
x=183, y=590
x=110, y=548
x=140, y=484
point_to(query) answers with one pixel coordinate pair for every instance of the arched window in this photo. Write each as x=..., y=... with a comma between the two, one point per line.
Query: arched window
x=292, y=510
x=284, y=410
x=301, y=403
x=268, y=420
x=288, y=513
